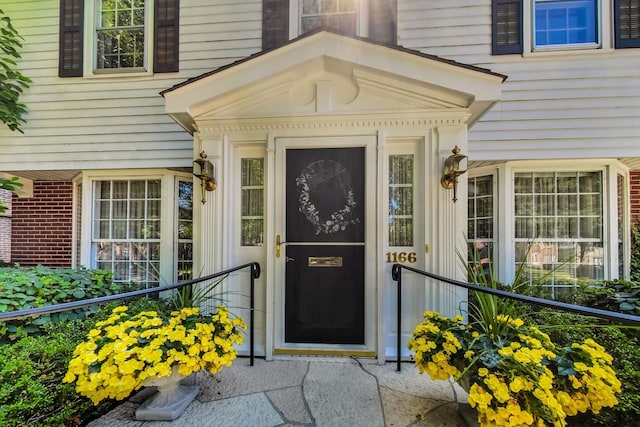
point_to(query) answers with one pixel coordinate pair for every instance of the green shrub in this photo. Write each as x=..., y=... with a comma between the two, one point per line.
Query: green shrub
x=32, y=368
x=23, y=288
x=635, y=253
x=614, y=295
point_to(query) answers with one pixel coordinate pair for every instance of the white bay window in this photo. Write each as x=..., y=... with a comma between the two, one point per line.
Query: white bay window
x=559, y=226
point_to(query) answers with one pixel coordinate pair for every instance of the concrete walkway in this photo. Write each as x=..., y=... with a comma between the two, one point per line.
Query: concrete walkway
x=320, y=392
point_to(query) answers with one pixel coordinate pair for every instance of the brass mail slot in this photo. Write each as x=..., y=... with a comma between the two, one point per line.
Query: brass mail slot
x=325, y=261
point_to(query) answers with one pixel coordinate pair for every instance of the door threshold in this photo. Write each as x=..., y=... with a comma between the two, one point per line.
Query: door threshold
x=322, y=352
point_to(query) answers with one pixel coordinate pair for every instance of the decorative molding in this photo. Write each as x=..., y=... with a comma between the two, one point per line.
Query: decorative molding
x=408, y=93
x=376, y=121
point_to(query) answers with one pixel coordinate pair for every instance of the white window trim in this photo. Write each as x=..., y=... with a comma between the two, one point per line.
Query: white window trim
x=362, y=26
x=167, y=221
x=90, y=45
x=604, y=31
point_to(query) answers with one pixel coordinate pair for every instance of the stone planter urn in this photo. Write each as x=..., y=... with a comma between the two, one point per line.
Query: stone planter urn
x=170, y=401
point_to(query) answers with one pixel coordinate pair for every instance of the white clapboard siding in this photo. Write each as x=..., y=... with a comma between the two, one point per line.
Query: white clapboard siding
x=568, y=105
x=573, y=105
x=107, y=122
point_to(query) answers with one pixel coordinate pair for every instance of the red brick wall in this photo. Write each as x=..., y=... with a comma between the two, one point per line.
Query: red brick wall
x=635, y=197
x=41, y=226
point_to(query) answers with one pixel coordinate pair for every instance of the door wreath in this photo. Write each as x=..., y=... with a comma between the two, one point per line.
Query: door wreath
x=320, y=172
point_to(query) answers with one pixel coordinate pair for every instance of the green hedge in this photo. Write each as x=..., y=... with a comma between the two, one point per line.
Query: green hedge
x=23, y=288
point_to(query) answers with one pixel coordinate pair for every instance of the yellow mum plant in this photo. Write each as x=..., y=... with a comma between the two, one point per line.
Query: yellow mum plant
x=515, y=375
x=124, y=351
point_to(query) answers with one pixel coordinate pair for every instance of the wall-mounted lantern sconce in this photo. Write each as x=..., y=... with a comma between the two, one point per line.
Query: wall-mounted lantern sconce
x=452, y=171
x=204, y=170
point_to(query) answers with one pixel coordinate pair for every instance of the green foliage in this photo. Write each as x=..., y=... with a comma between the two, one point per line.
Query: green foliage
x=635, y=253
x=12, y=81
x=484, y=308
x=32, y=368
x=8, y=184
x=31, y=372
x=23, y=288
x=614, y=295
x=623, y=344
x=565, y=328
x=198, y=294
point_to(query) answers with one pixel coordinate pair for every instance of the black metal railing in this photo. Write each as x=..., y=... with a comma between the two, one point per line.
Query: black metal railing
x=255, y=273
x=396, y=274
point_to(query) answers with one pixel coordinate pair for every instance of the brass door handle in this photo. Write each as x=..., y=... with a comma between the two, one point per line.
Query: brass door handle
x=278, y=245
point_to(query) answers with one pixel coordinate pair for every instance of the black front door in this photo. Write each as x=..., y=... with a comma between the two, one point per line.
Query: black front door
x=324, y=273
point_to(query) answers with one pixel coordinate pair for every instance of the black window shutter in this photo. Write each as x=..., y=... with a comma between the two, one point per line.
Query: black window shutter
x=627, y=22
x=275, y=23
x=71, y=30
x=506, y=26
x=382, y=21
x=166, y=53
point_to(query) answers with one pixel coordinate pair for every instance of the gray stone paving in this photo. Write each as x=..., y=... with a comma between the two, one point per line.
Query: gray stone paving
x=314, y=392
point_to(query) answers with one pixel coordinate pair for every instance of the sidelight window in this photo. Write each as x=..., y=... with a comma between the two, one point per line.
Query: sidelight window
x=184, y=230
x=252, y=194
x=401, y=200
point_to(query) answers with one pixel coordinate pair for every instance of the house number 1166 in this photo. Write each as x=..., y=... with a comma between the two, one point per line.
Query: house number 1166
x=401, y=257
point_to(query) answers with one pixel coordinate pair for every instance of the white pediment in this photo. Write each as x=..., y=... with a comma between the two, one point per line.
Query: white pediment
x=315, y=88
x=328, y=74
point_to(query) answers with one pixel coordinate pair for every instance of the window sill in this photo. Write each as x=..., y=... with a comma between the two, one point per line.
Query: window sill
x=567, y=52
x=118, y=74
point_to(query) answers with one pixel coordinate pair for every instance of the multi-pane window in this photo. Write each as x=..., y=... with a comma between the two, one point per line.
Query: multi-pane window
x=184, y=231
x=480, y=208
x=126, y=229
x=620, y=196
x=565, y=22
x=558, y=226
x=558, y=24
x=401, y=173
x=120, y=34
x=252, y=201
x=337, y=15
x=480, y=216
